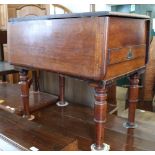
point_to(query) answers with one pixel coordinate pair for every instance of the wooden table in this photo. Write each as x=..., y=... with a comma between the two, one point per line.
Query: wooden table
x=96, y=47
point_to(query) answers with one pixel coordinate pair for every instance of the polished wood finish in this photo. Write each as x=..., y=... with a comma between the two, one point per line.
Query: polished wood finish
x=124, y=67
x=133, y=98
x=30, y=134
x=68, y=59
x=129, y=27
x=126, y=53
x=75, y=31
x=31, y=10
x=100, y=111
x=24, y=84
x=83, y=48
x=62, y=119
x=116, y=135
x=11, y=100
x=61, y=89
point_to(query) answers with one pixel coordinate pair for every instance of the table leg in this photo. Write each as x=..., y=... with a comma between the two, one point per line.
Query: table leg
x=35, y=82
x=132, y=100
x=62, y=101
x=4, y=79
x=129, y=139
x=2, y=59
x=24, y=85
x=100, y=110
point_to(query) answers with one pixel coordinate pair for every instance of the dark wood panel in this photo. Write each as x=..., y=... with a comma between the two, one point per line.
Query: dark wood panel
x=79, y=49
x=3, y=37
x=75, y=49
x=120, y=69
x=126, y=53
x=71, y=50
x=126, y=32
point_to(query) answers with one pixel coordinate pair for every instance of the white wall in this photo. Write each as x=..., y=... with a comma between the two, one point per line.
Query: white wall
x=75, y=8
x=83, y=7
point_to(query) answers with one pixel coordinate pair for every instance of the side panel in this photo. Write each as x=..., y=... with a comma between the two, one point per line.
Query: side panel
x=126, y=46
x=125, y=67
x=126, y=32
x=68, y=46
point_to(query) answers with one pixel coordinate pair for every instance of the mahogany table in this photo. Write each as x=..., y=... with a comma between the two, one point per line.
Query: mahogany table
x=96, y=47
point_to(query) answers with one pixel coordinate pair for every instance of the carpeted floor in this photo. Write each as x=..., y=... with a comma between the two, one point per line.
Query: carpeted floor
x=141, y=115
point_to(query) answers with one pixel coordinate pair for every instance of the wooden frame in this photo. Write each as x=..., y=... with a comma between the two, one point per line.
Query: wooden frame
x=66, y=10
x=30, y=10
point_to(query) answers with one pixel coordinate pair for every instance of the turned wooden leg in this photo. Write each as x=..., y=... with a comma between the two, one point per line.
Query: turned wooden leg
x=100, y=110
x=1, y=52
x=35, y=82
x=132, y=101
x=61, y=101
x=24, y=85
x=4, y=78
x=129, y=139
x=2, y=59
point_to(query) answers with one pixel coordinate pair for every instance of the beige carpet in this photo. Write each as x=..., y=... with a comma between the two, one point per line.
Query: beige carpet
x=146, y=117
x=141, y=115
x=121, y=95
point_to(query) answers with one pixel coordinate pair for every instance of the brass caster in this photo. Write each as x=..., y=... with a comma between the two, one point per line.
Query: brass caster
x=30, y=117
x=105, y=147
x=129, y=125
x=62, y=104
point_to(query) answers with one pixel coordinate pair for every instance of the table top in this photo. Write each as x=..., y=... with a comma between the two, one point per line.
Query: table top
x=80, y=15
